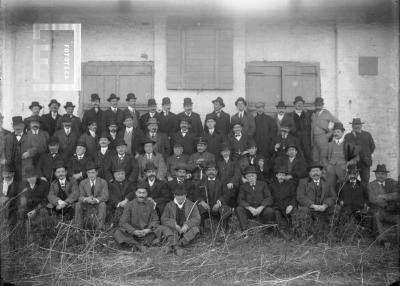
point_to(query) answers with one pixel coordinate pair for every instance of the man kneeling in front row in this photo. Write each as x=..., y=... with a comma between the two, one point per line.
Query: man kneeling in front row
x=180, y=221
x=139, y=223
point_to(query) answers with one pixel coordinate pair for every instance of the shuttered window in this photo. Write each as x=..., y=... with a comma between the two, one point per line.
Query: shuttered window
x=199, y=55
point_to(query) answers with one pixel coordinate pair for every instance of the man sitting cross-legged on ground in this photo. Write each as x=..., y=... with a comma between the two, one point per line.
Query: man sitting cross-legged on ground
x=254, y=200
x=316, y=199
x=63, y=193
x=180, y=221
x=213, y=197
x=93, y=192
x=139, y=223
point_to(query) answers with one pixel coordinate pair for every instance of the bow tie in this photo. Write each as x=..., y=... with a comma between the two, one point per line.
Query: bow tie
x=237, y=136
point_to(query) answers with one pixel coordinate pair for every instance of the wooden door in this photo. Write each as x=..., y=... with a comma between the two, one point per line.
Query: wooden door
x=120, y=78
x=270, y=82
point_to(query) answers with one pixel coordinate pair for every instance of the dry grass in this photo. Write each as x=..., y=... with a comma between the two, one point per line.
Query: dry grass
x=78, y=257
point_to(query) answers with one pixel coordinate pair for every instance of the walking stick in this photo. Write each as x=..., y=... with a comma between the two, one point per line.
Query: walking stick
x=209, y=209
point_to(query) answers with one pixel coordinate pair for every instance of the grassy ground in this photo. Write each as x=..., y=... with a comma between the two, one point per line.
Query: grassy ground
x=261, y=260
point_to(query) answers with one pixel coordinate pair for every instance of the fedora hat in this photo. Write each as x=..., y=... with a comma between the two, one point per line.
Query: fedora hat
x=35, y=103
x=281, y=104
x=130, y=96
x=298, y=98
x=54, y=101
x=315, y=164
x=381, y=168
x=338, y=125
x=69, y=104
x=356, y=121
x=187, y=101
x=94, y=97
x=112, y=96
x=219, y=100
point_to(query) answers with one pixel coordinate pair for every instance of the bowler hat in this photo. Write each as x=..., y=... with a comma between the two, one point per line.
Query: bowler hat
x=338, y=125
x=91, y=166
x=17, y=120
x=94, y=97
x=202, y=140
x=260, y=104
x=119, y=142
x=281, y=104
x=242, y=100
x=141, y=185
x=105, y=134
x=319, y=101
x=177, y=144
x=187, y=101
x=146, y=141
x=118, y=168
x=381, y=168
x=54, y=101
x=356, y=121
x=250, y=170
x=292, y=145
x=66, y=119
x=150, y=166
x=211, y=164
x=34, y=118
x=31, y=172
x=81, y=143
x=220, y=100
x=315, y=164
x=127, y=115
x=151, y=102
x=180, y=190
x=152, y=120
x=59, y=164
x=225, y=146
x=91, y=121
x=112, y=122
x=280, y=169
x=252, y=143
x=181, y=166
x=185, y=118
x=211, y=116
x=68, y=104
x=112, y=96
x=166, y=100
x=298, y=98
x=35, y=103
x=130, y=96
x=53, y=141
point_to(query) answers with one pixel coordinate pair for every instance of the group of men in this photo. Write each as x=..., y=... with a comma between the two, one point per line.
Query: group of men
x=157, y=177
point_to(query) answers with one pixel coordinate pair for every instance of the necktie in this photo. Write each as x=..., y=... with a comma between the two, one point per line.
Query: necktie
x=92, y=188
x=62, y=184
x=316, y=183
x=152, y=135
x=53, y=154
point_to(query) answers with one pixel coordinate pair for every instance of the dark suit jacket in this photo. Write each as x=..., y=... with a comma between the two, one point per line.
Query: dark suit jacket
x=71, y=192
x=173, y=161
x=249, y=125
x=35, y=198
x=266, y=130
x=12, y=203
x=306, y=193
x=284, y=143
x=47, y=163
x=102, y=161
x=238, y=147
x=168, y=124
x=143, y=121
x=228, y=172
x=137, y=139
x=49, y=124
x=214, y=142
x=162, y=145
x=223, y=123
x=27, y=120
x=109, y=116
x=196, y=126
x=100, y=190
x=188, y=142
x=286, y=120
x=76, y=166
x=160, y=193
x=91, y=145
x=129, y=164
x=298, y=168
x=283, y=194
x=76, y=124
x=302, y=125
x=67, y=143
x=120, y=191
x=92, y=115
x=216, y=191
x=260, y=196
x=365, y=144
x=355, y=197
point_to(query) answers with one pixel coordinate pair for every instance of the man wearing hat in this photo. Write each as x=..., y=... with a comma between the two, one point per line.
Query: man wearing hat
x=366, y=146
x=384, y=196
x=131, y=109
x=282, y=141
x=150, y=155
x=283, y=191
x=213, y=136
x=152, y=106
x=35, y=108
x=223, y=121
x=49, y=120
x=139, y=226
x=315, y=197
x=69, y=113
x=169, y=122
x=122, y=160
x=48, y=160
x=213, y=198
x=91, y=140
x=283, y=119
x=132, y=135
x=176, y=158
x=121, y=192
x=77, y=164
x=321, y=130
x=93, y=191
x=95, y=114
x=266, y=130
x=293, y=163
x=198, y=161
x=238, y=141
x=250, y=158
x=183, y=178
x=9, y=189
x=157, y=190
x=180, y=221
x=63, y=194
x=196, y=127
x=104, y=154
x=302, y=123
x=254, y=200
x=341, y=153
x=186, y=137
x=113, y=113
x=162, y=145
x=67, y=137
x=246, y=118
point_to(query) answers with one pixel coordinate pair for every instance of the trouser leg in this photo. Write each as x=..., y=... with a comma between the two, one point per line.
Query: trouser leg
x=243, y=215
x=101, y=214
x=78, y=214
